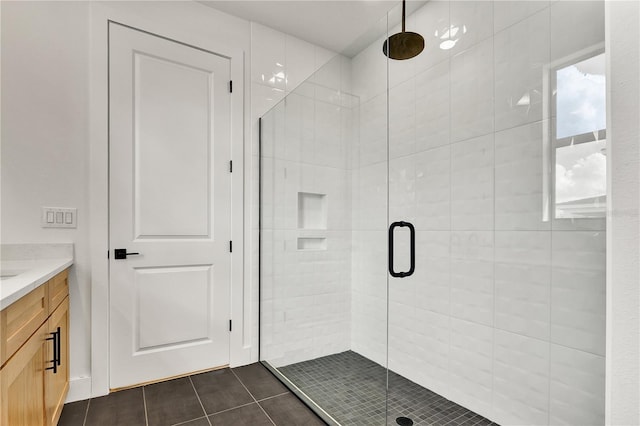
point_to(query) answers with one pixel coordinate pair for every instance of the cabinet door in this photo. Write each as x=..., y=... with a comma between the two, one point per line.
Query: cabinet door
x=22, y=384
x=57, y=384
x=58, y=289
x=19, y=320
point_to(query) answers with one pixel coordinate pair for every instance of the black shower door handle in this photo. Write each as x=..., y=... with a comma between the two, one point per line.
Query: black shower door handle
x=412, y=230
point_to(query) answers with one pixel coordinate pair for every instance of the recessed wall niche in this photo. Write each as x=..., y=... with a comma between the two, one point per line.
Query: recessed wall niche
x=312, y=243
x=312, y=211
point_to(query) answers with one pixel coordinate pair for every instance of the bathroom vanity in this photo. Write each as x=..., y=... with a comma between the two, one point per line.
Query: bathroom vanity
x=34, y=344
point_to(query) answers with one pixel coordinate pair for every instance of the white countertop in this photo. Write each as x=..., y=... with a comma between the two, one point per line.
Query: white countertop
x=28, y=274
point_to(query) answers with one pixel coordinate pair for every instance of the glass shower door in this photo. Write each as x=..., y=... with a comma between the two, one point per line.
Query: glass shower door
x=322, y=236
x=497, y=153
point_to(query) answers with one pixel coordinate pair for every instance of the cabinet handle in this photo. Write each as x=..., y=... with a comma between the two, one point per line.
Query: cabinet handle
x=54, y=361
x=58, y=345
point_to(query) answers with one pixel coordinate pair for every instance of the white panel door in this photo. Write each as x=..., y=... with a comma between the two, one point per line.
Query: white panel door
x=170, y=201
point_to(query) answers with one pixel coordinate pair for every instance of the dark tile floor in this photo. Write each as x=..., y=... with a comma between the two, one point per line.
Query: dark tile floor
x=241, y=396
x=352, y=389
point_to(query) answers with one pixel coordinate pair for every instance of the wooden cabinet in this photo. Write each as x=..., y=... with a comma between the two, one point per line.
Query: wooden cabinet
x=22, y=381
x=56, y=385
x=34, y=377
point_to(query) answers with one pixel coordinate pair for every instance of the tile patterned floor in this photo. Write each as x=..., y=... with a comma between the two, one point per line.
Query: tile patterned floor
x=242, y=396
x=351, y=388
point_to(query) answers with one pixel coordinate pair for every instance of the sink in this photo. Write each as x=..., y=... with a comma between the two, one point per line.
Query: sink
x=10, y=273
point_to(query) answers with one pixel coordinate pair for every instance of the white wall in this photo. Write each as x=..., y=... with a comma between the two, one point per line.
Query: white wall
x=623, y=294
x=45, y=151
x=45, y=131
x=497, y=287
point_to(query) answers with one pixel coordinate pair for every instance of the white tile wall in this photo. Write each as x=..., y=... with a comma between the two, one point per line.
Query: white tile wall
x=471, y=364
x=432, y=189
x=373, y=131
x=476, y=17
x=268, y=57
x=504, y=296
x=578, y=290
x=431, y=348
x=521, y=202
x=521, y=379
x=434, y=16
x=402, y=119
x=505, y=312
x=471, y=91
x=472, y=276
x=300, y=61
x=523, y=282
x=507, y=13
x=577, y=387
x=432, y=107
x=306, y=295
x=402, y=192
x=521, y=53
x=433, y=277
x=585, y=18
x=472, y=177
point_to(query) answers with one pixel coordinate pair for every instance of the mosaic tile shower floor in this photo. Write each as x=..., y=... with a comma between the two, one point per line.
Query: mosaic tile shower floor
x=351, y=388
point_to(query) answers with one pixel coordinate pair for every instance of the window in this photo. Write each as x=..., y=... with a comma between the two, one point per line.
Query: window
x=579, y=139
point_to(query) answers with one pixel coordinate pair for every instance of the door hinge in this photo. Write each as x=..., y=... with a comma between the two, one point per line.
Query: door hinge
x=230, y=166
x=230, y=86
x=230, y=325
x=230, y=246
x=108, y=254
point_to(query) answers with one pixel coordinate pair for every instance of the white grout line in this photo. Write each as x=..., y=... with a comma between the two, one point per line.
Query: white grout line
x=249, y=403
x=274, y=396
x=188, y=421
x=86, y=413
x=232, y=408
x=144, y=401
x=198, y=396
x=256, y=401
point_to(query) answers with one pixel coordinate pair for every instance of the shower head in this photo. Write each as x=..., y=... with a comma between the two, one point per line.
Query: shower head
x=405, y=44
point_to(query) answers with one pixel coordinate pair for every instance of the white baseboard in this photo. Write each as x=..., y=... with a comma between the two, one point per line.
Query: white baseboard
x=79, y=389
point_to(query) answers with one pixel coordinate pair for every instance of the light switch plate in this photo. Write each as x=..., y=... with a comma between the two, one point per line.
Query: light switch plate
x=59, y=217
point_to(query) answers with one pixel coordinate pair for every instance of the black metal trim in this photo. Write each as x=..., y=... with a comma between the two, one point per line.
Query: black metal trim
x=412, y=231
x=259, y=235
x=58, y=340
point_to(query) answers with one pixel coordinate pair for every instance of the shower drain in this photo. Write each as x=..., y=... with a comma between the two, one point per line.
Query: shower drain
x=404, y=421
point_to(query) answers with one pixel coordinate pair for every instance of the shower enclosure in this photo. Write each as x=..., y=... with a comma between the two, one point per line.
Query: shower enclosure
x=432, y=236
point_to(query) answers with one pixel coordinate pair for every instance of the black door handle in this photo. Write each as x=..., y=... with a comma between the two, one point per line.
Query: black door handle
x=412, y=230
x=122, y=254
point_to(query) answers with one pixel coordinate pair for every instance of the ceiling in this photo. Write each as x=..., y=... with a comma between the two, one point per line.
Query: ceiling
x=334, y=25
